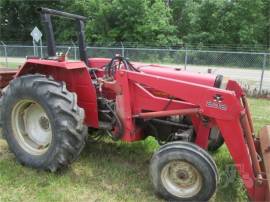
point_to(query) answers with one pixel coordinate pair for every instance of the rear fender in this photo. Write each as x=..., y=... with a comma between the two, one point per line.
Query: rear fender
x=77, y=79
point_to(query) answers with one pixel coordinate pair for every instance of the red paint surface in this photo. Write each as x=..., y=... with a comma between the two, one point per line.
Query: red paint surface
x=150, y=90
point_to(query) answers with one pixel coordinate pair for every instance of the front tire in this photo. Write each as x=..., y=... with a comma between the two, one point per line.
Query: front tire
x=182, y=171
x=42, y=123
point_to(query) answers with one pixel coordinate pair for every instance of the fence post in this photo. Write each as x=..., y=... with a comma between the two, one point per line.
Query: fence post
x=186, y=58
x=123, y=49
x=262, y=75
x=6, y=55
x=41, y=48
x=34, y=47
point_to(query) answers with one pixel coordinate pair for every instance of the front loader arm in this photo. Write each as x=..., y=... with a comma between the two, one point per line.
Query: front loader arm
x=200, y=95
x=223, y=107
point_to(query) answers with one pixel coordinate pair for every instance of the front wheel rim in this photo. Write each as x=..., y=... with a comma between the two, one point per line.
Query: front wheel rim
x=181, y=179
x=31, y=127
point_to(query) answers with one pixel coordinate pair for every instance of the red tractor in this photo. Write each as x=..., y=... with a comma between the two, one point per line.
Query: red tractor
x=50, y=104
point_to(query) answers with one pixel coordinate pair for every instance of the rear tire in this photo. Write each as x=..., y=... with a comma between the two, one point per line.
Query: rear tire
x=215, y=139
x=42, y=123
x=182, y=171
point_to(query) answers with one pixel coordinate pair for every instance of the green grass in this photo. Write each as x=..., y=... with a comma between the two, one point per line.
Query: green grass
x=111, y=171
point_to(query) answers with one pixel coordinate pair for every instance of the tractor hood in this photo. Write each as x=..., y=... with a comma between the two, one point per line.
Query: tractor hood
x=167, y=71
x=177, y=73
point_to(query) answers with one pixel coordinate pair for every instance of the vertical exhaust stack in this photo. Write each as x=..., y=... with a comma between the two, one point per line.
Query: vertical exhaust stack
x=46, y=14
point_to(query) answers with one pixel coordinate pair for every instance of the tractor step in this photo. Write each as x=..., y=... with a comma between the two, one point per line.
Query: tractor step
x=264, y=136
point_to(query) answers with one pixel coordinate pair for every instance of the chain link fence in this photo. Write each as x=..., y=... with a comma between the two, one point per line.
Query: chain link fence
x=251, y=69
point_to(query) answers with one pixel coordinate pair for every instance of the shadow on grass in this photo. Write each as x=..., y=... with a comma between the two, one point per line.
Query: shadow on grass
x=120, y=169
x=105, y=171
x=136, y=156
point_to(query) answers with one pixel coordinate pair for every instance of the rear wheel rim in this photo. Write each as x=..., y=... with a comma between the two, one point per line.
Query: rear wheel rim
x=181, y=179
x=31, y=127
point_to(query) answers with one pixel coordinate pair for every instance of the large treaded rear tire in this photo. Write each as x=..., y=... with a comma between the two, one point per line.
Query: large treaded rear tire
x=215, y=139
x=64, y=115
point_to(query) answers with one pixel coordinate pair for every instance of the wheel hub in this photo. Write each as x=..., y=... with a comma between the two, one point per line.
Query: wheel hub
x=181, y=179
x=31, y=127
x=182, y=175
x=44, y=122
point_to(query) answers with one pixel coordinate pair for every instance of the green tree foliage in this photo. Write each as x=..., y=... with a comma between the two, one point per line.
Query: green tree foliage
x=221, y=21
x=266, y=32
x=117, y=20
x=158, y=22
x=18, y=18
x=157, y=26
x=127, y=20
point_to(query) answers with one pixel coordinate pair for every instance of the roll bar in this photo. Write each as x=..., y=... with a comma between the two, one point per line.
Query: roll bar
x=61, y=13
x=46, y=14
